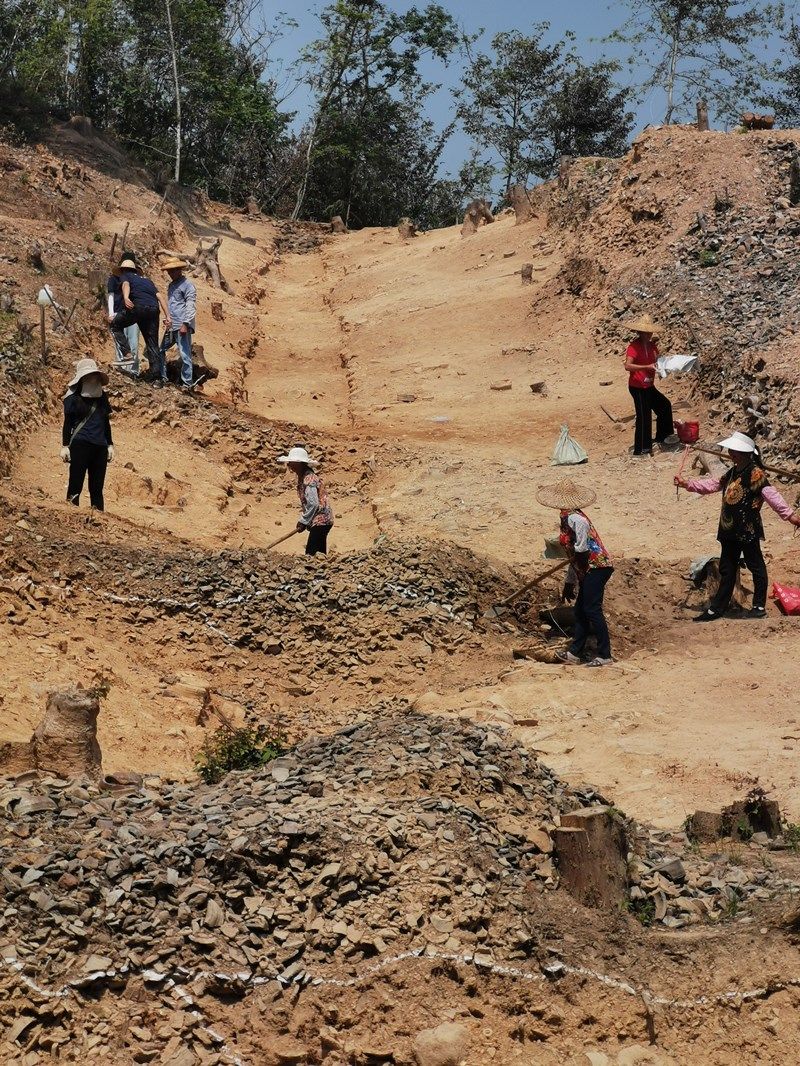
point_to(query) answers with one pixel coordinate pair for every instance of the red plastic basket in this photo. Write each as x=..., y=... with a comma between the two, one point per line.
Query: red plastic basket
x=688, y=432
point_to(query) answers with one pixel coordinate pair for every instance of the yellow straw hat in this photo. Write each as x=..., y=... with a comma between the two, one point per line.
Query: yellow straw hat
x=566, y=495
x=174, y=264
x=643, y=324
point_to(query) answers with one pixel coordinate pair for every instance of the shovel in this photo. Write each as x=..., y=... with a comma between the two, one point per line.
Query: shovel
x=280, y=540
x=497, y=610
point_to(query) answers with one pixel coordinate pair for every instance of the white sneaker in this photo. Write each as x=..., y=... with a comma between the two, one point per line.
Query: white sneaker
x=598, y=661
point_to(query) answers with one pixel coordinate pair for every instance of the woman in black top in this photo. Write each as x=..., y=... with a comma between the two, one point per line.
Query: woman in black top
x=86, y=442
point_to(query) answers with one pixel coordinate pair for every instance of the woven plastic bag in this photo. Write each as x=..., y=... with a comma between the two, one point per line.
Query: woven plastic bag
x=568, y=452
x=787, y=598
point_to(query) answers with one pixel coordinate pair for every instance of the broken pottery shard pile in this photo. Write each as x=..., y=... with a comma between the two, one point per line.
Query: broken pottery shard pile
x=407, y=598
x=405, y=832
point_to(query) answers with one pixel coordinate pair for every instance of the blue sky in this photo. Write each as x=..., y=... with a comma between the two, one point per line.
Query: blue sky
x=589, y=20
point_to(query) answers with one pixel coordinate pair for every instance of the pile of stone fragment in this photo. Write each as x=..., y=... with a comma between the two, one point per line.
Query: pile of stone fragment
x=402, y=833
x=394, y=597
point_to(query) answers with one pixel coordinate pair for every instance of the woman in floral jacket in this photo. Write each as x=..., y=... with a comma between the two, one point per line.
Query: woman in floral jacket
x=744, y=490
x=316, y=513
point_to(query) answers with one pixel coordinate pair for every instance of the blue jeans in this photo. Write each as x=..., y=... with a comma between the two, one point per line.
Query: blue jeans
x=131, y=363
x=589, y=613
x=184, y=342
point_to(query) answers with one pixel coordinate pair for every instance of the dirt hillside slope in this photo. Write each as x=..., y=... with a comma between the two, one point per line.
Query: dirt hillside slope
x=407, y=367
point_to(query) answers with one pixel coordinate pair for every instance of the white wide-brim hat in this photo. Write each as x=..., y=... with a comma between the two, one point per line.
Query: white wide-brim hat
x=739, y=442
x=83, y=368
x=298, y=455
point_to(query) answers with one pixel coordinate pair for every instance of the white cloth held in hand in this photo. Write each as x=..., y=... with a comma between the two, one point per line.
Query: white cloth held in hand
x=675, y=364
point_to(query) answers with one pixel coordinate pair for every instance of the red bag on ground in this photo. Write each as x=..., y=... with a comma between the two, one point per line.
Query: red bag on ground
x=787, y=598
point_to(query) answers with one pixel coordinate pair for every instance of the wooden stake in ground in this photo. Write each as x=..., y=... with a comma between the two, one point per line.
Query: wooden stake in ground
x=42, y=333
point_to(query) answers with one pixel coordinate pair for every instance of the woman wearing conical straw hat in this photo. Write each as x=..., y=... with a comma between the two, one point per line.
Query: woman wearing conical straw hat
x=640, y=362
x=590, y=568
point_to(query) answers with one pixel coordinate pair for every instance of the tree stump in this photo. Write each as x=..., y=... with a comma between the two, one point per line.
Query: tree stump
x=65, y=741
x=526, y=273
x=478, y=214
x=520, y=199
x=591, y=851
x=207, y=260
x=702, y=116
x=252, y=207
x=406, y=228
x=751, y=121
x=338, y=224
x=216, y=311
x=563, y=171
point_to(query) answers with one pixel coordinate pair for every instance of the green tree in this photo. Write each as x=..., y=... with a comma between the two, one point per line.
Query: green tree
x=785, y=100
x=700, y=48
x=364, y=70
x=530, y=102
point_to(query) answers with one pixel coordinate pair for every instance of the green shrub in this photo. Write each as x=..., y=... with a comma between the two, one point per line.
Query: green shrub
x=707, y=258
x=245, y=748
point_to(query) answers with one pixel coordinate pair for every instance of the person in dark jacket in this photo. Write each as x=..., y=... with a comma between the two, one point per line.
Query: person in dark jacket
x=142, y=305
x=115, y=307
x=86, y=442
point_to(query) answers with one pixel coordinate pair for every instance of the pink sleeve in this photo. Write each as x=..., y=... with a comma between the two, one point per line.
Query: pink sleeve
x=777, y=503
x=704, y=485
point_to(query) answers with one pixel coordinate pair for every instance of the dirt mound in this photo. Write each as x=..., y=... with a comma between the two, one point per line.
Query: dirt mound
x=698, y=229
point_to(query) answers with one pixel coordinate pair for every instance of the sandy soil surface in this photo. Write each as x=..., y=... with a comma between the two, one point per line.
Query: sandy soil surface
x=373, y=342
x=408, y=367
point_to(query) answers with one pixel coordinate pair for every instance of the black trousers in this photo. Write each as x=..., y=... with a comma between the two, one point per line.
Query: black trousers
x=589, y=615
x=317, y=540
x=646, y=403
x=146, y=318
x=732, y=551
x=92, y=459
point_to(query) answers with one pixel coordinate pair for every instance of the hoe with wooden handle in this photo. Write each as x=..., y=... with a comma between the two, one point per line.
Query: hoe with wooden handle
x=280, y=540
x=497, y=610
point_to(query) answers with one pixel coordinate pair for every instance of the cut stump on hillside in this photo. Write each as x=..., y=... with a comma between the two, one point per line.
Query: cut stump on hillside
x=65, y=741
x=478, y=214
x=591, y=852
x=702, y=116
x=338, y=224
x=526, y=273
x=406, y=228
x=520, y=199
x=206, y=260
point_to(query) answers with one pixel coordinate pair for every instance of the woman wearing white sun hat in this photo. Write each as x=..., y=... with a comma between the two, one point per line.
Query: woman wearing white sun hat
x=744, y=490
x=86, y=442
x=316, y=513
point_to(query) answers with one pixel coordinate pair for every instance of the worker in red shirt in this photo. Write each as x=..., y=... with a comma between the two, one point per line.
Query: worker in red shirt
x=640, y=362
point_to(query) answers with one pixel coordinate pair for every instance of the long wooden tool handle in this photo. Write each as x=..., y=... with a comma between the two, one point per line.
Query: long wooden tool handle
x=280, y=540
x=536, y=581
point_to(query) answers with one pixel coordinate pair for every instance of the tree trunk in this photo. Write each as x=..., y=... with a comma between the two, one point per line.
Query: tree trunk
x=65, y=741
x=478, y=214
x=520, y=199
x=794, y=181
x=702, y=116
x=177, y=173
x=673, y=67
x=591, y=851
x=207, y=258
